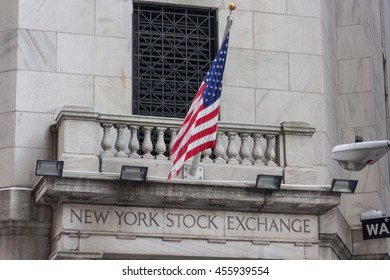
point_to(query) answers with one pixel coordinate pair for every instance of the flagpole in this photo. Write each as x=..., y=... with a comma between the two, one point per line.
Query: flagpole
x=196, y=158
x=229, y=19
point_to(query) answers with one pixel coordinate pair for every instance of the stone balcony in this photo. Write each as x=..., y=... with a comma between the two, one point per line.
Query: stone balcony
x=95, y=146
x=94, y=143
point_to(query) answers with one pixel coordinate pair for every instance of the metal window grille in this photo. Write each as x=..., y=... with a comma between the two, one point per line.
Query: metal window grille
x=173, y=48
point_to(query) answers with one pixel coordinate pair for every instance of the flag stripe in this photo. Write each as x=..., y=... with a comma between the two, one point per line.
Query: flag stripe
x=196, y=140
x=193, y=152
x=189, y=121
x=181, y=139
x=199, y=129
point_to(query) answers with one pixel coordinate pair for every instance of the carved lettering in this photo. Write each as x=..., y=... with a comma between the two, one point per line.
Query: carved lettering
x=264, y=224
x=170, y=221
x=85, y=216
x=211, y=221
x=100, y=216
x=285, y=224
x=306, y=225
x=240, y=223
x=153, y=219
x=142, y=217
x=296, y=228
x=74, y=214
x=119, y=217
x=230, y=222
x=137, y=218
x=130, y=218
x=273, y=226
x=193, y=222
x=178, y=219
x=252, y=223
x=198, y=221
x=247, y=224
x=190, y=221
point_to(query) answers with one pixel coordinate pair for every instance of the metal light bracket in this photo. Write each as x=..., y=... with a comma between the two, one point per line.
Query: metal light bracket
x=187, y=175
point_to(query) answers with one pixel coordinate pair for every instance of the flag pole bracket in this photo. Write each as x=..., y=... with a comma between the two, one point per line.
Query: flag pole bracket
x=187, y=173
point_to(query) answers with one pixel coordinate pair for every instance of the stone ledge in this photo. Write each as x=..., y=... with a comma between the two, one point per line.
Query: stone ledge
x=51, y=190
x=157, y=248
x=73, y=255
x=297, y=128
x=32, y=228
x=300, y=175
x=212, y=171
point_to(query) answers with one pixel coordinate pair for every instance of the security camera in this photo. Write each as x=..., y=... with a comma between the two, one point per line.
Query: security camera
x=356, y=156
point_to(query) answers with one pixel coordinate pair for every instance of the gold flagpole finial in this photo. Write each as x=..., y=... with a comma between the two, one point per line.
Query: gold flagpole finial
x=232, y=6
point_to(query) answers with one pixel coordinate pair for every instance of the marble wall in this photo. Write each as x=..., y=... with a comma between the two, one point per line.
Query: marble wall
x=385, y=192
x=360, y=31
x=270, y=63
x=275, y=67
x=52, y=54
x=329, y=136
x=8, y=60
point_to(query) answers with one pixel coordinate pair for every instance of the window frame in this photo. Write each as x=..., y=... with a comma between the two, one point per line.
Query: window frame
x=165, y=85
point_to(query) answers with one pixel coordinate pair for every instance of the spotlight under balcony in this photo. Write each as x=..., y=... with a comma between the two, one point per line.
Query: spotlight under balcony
x=133, y=173
x=270, y=182
x=344, y=185
x=49, y=168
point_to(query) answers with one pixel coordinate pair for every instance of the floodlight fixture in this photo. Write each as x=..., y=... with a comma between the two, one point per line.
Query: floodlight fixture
x=49, y=168
x=133, y=173
x=344, y=185
x=271, y=182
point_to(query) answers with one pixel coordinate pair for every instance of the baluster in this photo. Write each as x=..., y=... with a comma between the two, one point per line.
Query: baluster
x=257, y=152
x=231, y=150
x=160, y=145
x=106, y=143
x=244, y=149
x=206, y=155
x=147, y=145
x=173, y=133
x=273, y=154
x=120, y=141
x=269, y=150
x=219, y=149
x=134, y=143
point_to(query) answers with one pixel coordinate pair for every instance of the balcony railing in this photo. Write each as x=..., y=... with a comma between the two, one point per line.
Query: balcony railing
x=89, y=141
x=242, y=147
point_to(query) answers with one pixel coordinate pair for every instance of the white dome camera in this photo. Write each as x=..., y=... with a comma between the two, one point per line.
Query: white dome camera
x=356, y=156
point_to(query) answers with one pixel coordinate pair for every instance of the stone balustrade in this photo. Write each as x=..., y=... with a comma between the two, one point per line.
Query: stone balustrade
x=235, y=144
x=89, y=141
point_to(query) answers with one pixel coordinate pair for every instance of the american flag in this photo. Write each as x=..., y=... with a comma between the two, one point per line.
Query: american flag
x=199, y=128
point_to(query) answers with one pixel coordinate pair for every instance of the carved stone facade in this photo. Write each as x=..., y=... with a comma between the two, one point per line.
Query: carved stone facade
x=301, y=77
